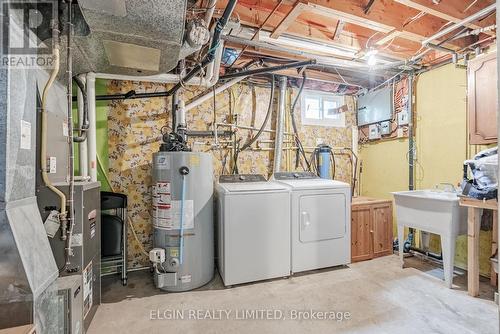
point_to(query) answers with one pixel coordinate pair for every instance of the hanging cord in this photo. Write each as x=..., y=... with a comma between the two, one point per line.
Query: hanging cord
x=300, y=148
x=314, y=162
x=235, y=157
x=332, y=160
x=264, y=124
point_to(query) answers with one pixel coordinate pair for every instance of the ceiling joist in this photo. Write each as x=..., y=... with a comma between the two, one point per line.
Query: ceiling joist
x=436, y=10
x=297, y=9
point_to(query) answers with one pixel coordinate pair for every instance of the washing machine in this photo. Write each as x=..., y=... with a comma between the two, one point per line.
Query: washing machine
x=320, y=221
x=253, y=229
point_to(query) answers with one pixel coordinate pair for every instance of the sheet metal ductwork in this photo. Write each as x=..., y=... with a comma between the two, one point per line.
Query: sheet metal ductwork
x=130, y=37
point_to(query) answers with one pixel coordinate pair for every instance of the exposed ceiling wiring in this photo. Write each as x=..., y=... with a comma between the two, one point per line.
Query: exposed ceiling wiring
x=414, y=18
x=470, y=6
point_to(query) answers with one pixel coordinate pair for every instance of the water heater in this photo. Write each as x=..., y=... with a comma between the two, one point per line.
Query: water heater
x=182, y=210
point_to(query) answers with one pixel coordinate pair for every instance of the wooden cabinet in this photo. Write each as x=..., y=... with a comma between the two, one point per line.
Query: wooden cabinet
x=371, y=228
x=482, y=98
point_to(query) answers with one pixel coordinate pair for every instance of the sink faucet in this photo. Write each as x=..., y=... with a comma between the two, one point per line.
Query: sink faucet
x=449, y=187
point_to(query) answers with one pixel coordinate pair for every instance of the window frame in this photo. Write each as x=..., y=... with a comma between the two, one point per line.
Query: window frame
x=322, y=121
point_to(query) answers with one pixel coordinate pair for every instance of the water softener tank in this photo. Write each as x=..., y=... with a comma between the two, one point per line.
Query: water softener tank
x=183, y=219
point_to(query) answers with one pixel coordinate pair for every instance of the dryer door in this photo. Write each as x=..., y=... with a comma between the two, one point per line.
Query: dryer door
x=322, y=217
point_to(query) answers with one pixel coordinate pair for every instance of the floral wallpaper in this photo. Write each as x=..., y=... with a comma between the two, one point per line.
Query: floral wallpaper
x=134, y=135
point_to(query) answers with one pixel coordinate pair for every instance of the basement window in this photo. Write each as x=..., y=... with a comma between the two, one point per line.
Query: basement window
x=322, y=109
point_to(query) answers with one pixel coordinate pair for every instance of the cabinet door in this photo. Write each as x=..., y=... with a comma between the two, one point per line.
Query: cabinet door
x=382, y=229
x=482, y=99
x=361, y=241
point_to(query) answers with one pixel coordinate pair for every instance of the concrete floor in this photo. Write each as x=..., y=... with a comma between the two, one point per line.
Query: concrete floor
x=377, y=296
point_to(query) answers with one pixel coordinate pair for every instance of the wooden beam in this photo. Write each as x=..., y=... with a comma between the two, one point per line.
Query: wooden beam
x=388, y=37
x=392, y=14
x=440, y=11
x=316, y=26
x=297, y=9
x=368, y=7
x=350, y=18
x=473, y=228
x=338, y=29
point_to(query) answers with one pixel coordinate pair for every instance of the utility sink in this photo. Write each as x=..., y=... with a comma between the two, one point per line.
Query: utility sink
x=436, y=212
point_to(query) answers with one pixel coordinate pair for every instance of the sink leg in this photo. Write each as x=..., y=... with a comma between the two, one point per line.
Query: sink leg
x=401, y=242
x=448, y=249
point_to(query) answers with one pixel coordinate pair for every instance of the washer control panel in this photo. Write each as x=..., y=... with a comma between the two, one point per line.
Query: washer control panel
x=295, y=176
x=239, y=178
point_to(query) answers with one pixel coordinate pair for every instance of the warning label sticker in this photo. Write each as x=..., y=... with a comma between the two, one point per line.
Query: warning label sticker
x=162, y=199
x=162, y=188
x=169, y=216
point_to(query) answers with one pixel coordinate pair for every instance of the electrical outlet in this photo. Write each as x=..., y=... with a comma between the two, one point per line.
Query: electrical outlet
x=319, y=141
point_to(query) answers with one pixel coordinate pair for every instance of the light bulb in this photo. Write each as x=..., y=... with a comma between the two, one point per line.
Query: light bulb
x=372, y=60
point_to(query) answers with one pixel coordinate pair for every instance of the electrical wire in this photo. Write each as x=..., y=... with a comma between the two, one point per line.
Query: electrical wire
x=300, y=147
x=266, y=120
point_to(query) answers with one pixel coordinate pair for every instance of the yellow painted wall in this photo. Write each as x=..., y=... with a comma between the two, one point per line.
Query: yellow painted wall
x=440, y=136
x=441, y=141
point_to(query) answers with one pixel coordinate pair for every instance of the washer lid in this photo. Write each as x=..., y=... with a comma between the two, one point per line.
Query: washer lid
x=252, y=187
x=315, y=184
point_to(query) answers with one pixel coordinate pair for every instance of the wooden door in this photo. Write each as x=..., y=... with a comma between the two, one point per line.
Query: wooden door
x=382, y=229
x=482, y=99
x=361, y=241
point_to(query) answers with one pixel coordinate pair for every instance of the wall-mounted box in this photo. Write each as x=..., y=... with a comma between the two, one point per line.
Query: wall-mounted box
x=403, y=118
x=374, y=131
x=385, y=128
x=375, y=107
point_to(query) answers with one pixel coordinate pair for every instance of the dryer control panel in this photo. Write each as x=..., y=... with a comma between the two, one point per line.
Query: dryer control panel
x=295, y=176
x=239, y=178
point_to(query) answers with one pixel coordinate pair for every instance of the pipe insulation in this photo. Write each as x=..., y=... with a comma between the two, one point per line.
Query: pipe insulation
x=280, y=125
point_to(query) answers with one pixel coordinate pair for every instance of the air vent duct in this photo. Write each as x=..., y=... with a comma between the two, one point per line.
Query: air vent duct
x=130, y=37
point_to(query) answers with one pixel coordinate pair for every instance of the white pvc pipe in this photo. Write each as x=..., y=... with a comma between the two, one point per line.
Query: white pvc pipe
x=210, y=95
x=210, y=12
x=92, y=132
x=463, y=22
x=212, y=75
x=82, y=147
x=159, y=78
x=280, y=125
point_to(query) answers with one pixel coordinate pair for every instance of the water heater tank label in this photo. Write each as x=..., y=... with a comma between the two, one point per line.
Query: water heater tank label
x=162, y=162
x=169, y=217
x=161, y=199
